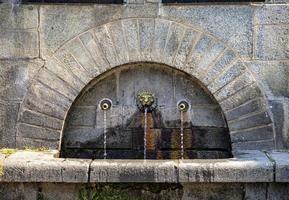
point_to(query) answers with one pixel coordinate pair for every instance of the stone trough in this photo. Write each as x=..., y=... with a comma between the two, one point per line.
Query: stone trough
x=245, y=167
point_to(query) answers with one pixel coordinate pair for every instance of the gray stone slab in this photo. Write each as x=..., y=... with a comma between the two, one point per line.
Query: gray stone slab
x=16, y=75
x=19, y=43
x=18, y=17
x=246, y=166
x=272, y=14
x=131, y=33
x=51, y=80
x=252, y=106
x=281, y=160
x=82, y=116
x=241, y=97
x=207, y=117
x=272, y=42
x=222, y=63
x=83, y=57
x=62, y=71
x=255, y=191
x=185, y=47
x=146, y=36
x=22, y=142
x=160, y=37
x=174, y=38
x=38, y=104
x=277, y=191
x=232, y=73
x=25, y=166
x=106, y=44
x=273, y=75
x=257, y=134
x=92, y=46
x=58, y=23
x=69, y=61
x=253, y=145
x=115, y=30
x=250, y=122
x=39, y=119
x=133, y=171
x=279, y=111
x=232, y=88
x=8, y=120
x=23, y=191
x=231, y=24
x=37, y=132
x=210, y=191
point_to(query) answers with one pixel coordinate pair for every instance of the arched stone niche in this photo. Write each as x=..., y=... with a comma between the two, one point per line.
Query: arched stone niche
x=181, y=46
x=205, y=130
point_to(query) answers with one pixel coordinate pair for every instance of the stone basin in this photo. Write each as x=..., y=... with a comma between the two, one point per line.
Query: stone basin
x=245, y=167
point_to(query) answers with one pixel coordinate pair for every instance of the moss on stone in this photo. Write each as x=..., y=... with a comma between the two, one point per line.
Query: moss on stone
x=36, y=149
x=1, y=169
x=104, y=193
x=7, y=152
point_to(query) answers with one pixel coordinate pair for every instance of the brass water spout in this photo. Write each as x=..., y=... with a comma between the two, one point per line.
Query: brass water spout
x=105, y=104
x=183, y=105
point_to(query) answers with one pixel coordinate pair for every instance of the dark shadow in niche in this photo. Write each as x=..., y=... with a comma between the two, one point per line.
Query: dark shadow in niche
x=163, y=142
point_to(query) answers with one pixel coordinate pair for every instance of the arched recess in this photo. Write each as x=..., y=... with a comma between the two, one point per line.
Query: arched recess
x=77, y=62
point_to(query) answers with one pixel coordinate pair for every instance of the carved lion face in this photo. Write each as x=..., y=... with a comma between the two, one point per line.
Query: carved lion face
x=145, y=98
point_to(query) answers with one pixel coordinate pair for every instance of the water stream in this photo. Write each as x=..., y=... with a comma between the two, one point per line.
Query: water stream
x=104, y=134
x=182, y=134
x=145, y=134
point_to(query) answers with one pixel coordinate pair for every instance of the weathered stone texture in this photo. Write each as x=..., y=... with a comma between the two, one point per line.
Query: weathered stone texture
x=16, y=75
x=38, y=167
x=251, y=145
x=8, y=120
x=281, y=160
x=240, y=169
x=19, y=44
x=277, y=191
x=18, y=17
x=279, y=114
x=121, y=171
x=255, y=134
x=251, y=106
x=213, y=191
x=272, y=14
x=255, y=191
x=272, y=42
x=58, y=24
x=231, y=24
x=273, y=75
x=88, y=40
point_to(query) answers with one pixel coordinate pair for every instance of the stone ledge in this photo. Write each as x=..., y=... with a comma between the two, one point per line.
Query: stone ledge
x=246, y=166
x=26, y=166
x=281, y=161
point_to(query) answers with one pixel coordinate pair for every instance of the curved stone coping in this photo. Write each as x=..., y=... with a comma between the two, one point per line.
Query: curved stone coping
x=246, y=166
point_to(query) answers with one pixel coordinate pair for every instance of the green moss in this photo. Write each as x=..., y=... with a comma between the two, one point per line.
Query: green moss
x=8, y=152
x=1, y=169
x=36, y=149
x=103, y=193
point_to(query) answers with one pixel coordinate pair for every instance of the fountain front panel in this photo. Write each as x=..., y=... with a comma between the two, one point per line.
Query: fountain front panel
x=181, y=114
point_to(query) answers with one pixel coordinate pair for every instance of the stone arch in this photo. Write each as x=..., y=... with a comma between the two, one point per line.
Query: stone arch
x=77, y=62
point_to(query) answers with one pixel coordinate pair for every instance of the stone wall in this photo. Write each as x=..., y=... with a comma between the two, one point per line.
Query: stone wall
x=142, y=191
x=40, y=80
